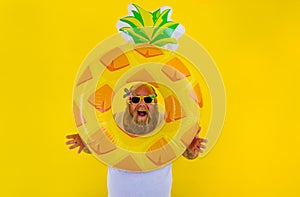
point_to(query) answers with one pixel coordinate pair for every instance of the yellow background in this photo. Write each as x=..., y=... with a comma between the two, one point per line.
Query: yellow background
x=254, y=43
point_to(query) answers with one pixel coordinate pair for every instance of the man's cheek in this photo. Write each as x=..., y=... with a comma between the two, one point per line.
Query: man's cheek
x=153, y=109
x=150, y=107
x=131, y=109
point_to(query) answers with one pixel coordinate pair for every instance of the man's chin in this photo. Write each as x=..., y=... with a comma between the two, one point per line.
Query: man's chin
x=141, y=120
x=140, y=124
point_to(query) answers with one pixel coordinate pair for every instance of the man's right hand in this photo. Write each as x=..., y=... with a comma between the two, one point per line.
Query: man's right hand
x=75, y=141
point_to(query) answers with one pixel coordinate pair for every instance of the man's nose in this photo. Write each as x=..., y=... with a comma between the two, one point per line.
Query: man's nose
x=142, y=103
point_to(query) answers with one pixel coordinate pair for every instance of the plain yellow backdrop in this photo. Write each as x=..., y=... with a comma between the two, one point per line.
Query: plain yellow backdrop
x=255, y=44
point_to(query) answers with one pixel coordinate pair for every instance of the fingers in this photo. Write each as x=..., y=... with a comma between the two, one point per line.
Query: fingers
x=80, y=149
x=202, y=140
x=73, y=146
x=198, y=142
x=73, y=136
x=75, y=142
x=195, y=147
x=199, y=146
x=195, y=151
x=71, y=142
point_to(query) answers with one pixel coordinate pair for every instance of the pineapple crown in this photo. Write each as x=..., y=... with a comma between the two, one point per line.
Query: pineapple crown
x=156, y=28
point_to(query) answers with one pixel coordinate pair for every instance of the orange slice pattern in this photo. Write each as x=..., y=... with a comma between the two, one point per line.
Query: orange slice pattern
x=100, y=143
x=128, y=163
x=79, y=119
x=148, y=50
x=115, y=59
x=101, y=99
x=141, y=75
x=158, y=144
x=86, y=75
x=197, y=95
x=175, y=70
x=159, y=157
x=173, y=109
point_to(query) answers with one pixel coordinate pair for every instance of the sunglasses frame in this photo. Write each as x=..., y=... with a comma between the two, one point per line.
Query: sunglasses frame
x=141, y=98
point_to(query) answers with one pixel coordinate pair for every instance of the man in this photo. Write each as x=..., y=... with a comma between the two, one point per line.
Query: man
x=141, y=117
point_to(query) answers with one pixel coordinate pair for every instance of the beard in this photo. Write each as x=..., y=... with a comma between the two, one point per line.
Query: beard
x=135, y=125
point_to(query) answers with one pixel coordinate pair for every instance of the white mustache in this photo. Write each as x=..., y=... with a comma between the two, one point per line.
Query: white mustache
x=141, y=108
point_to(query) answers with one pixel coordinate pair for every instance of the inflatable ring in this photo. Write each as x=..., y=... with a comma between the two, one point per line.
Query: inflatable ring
x=114, y=65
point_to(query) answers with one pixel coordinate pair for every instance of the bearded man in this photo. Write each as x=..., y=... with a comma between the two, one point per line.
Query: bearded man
x=140, y=118
x=141, y=115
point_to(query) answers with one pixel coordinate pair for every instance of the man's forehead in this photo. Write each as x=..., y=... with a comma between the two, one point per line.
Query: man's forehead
x=144, y=90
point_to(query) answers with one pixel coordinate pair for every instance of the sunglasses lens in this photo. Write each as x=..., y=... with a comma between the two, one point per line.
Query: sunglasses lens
x=148, y=99
x=135, y=100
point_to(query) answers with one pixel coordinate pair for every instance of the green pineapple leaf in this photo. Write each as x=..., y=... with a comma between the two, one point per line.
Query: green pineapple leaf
x=132, y=21
x=138, y=16
x=146, y=16
x=136, y=36
x=163, y=18
x=164, y=41
x=150, y=27
x=155, y=15
x=165, y=30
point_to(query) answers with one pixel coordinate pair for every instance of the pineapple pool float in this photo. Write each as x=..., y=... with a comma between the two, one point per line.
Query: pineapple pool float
x=150, y=48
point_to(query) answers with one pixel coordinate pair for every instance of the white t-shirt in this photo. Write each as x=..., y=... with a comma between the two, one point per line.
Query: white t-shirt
x=155, y=183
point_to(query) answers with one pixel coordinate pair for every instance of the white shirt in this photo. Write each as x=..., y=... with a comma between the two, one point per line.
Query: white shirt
x=155, y=183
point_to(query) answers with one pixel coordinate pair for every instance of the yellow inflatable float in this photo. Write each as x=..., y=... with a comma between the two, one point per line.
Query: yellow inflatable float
x=190, y=94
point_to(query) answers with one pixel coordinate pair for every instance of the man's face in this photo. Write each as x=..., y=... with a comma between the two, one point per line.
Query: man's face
x=142, y=106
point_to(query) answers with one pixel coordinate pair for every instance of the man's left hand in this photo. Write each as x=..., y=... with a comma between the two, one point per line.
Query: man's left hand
x=197, y=146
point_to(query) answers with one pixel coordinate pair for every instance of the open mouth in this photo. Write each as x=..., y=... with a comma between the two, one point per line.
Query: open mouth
x=142, y=114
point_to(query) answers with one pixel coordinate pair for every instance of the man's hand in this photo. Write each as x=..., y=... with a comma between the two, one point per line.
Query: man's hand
x=195, y=147
x=75, y=142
